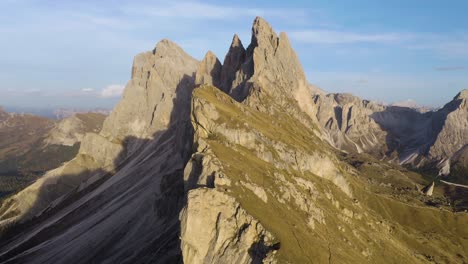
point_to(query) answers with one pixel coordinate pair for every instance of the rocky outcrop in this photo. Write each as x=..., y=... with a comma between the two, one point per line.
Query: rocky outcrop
x=429, y=189
x=277, y=75
x=71, y=130
x=348, y=124
x=209, y=71
x=233, y=61
x=161, y=80
x=453, y=134
x=216, y=229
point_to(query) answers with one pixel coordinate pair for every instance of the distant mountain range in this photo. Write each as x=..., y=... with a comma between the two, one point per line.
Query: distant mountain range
x=31, y=145
x=55, y=113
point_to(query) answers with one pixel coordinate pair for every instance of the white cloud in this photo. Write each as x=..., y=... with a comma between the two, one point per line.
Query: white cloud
x=340, y=37
x=87, y=90
x=113, y=90
x=197, y=10
x=450, y=45
x=34, y=91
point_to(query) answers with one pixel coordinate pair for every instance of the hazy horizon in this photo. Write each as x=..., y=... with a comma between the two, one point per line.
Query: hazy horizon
x=79, y=55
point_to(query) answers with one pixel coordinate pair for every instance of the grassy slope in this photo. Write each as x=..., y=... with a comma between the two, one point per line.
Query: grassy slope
x=385, y=228
x=19, y=171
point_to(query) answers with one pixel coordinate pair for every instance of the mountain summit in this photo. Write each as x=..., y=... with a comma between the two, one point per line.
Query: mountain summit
x=203, y=162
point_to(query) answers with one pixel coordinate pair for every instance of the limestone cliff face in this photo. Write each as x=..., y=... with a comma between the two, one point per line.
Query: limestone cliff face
x=232, y=65
x=453, y=135
x=161, y=79
x=209, y=71
x=277, y=69
x=216, y=229
x=348, y=123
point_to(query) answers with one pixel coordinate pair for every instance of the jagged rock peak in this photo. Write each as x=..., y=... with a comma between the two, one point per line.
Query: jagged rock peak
x=210, y=56
x=165, y=51
x=236, y=42
x=166, y=45
x=276, y=67
x=158, y=76
x=463, y=94
x=167, y=48
x=263, y=33
x=209, y=70
x=232, y=63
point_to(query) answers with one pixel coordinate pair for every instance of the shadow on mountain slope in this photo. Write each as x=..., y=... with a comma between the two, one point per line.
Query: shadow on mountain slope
x=129, y=215
x=411, y=134
x=410, y=131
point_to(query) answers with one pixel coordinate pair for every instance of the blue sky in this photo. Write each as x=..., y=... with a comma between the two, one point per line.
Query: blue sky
x=79, y=53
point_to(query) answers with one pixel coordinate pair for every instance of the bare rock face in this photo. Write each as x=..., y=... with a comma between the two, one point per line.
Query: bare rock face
x=316, y=90
x=216, y=229
x=429, y=189
x=277, y=72
x=453, y=135
x=209, y=71
x=347, y=122
x=147, y=103
x=232, y=64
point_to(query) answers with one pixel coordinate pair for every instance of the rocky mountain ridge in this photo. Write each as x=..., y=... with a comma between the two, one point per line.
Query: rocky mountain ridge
x=203, y=162
x=400, y=134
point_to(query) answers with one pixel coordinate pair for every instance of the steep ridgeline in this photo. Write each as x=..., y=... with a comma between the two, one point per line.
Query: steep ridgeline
x=267, y=70
x=452, y=120
x=309, y=206
x=233, y=171
x=401, y=134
